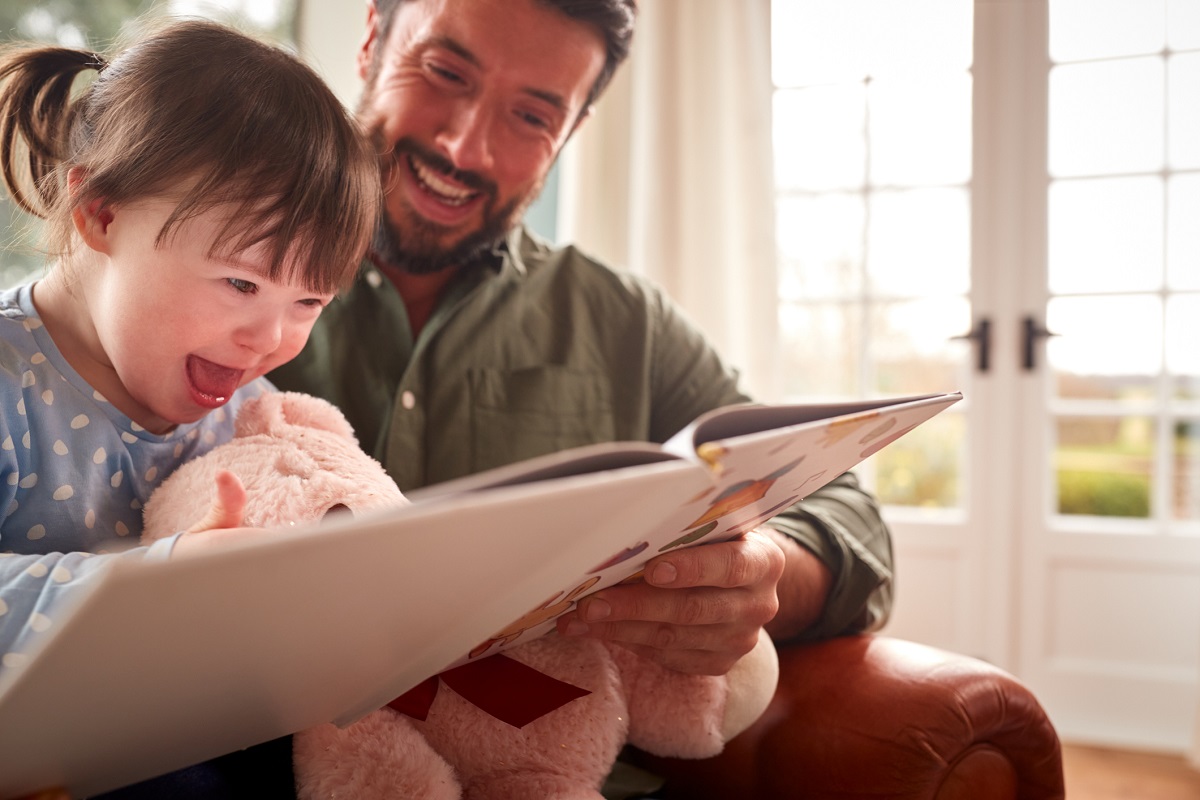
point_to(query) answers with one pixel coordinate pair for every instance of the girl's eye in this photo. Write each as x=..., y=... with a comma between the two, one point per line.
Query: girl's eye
x=313, y=302
x=241, y=286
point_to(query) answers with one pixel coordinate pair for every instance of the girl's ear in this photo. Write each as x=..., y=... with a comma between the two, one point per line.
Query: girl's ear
x=91, y=218
x=91, y=221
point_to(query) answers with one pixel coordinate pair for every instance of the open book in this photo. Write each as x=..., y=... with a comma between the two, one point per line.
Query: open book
x=738, y=467
x=162, y=665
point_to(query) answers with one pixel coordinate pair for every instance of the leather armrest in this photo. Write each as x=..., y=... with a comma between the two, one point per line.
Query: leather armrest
x=873, y=717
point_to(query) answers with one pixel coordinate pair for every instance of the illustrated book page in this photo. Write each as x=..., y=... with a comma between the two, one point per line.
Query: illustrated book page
x=759, y=461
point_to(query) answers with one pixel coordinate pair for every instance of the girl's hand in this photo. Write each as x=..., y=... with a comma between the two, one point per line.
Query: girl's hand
x=228, y=506
x=223, y=524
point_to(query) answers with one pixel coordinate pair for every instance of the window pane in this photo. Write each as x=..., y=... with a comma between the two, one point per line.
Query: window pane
x=919, y=242
x=820, y=242
x=1105, y=465
x=1186, y=494
x=1108, y=347
x=819, y=137
x=1183, y=345
x=1183, y=232
x=921, y=132
x=821, y=346
x=272, y=16
x=1183, y=111
x=912, y=349
x=1106, y=235
x=1106, y=117
x=826, y=41
x=1082, y=29
x=924, y=468
x=1183, y=24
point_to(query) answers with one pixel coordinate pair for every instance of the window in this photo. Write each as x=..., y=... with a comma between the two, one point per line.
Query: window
x=873, y=166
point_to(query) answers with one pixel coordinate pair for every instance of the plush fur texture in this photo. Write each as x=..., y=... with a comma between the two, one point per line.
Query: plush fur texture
x=298, y=459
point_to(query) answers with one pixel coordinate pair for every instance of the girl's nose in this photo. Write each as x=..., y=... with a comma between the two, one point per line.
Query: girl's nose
x=261, y=334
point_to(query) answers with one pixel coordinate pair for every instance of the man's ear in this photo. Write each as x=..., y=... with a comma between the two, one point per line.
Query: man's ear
x=366, y=50
x=579, y=120
x=91, y=218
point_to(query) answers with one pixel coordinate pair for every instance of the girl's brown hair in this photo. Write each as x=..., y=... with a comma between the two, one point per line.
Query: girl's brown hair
x=201, y=112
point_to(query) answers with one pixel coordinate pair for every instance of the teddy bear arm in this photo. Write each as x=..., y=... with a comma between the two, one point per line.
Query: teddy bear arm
x=670, y=713
x=752, y=683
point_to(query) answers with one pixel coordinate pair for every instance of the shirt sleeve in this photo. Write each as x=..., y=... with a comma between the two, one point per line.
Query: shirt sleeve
x=840, y=523
x=37, y=590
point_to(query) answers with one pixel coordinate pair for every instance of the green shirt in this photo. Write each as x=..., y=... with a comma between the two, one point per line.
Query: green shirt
x=537, y=349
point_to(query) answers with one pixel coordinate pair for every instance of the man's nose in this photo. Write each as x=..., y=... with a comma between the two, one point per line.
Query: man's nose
x=466, y=138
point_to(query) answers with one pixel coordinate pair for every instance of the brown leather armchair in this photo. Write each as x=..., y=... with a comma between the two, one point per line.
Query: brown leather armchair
x=872, y=716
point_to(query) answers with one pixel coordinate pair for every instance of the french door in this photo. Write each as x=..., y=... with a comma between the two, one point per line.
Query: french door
x=1004, y=198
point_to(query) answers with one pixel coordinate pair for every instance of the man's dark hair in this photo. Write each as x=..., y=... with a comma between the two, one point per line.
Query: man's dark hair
x=613, y=19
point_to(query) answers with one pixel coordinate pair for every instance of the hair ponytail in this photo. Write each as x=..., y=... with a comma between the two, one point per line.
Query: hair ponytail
x=37, y=113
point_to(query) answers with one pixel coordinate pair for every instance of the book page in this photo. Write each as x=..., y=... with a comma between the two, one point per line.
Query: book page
x=779, y=456
x=750, y=418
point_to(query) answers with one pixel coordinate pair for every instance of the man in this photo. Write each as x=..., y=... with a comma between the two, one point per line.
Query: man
x=466, y=343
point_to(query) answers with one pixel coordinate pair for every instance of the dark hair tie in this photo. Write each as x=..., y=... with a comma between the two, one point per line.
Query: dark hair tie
x=98, y=62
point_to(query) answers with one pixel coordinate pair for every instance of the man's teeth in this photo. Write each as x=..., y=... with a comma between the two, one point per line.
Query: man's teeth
x=449, y=193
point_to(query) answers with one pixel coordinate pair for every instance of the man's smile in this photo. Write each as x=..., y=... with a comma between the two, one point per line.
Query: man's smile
x=436, y=182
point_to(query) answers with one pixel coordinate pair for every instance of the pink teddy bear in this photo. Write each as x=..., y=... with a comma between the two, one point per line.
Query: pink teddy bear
x=298, y=460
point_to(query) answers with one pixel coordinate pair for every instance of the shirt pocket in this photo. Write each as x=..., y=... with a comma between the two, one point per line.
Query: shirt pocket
x=522, y=413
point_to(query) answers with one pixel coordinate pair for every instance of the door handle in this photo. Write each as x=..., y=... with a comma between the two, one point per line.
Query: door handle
x=981, y=335
x=1031, y=333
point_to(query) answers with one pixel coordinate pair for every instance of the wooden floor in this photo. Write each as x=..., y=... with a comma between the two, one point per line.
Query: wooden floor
x=1095, y=773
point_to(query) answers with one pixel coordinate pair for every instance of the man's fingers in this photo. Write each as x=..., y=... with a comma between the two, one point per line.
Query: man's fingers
x=701, y=606
x=744, y=561
x=736, y=640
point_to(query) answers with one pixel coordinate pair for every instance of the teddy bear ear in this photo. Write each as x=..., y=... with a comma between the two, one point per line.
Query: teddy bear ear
x=273, y=412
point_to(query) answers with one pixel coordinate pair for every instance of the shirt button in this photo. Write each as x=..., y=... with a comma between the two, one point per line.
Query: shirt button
x=408, y=400
x=374, y=278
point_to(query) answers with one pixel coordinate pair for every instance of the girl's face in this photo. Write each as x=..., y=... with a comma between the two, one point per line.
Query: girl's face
x=173, y=330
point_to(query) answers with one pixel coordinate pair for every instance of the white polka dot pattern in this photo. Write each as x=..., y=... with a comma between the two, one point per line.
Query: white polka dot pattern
x=76, y=472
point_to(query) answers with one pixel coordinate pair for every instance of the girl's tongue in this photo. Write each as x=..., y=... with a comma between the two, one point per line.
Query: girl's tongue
x=212, y=384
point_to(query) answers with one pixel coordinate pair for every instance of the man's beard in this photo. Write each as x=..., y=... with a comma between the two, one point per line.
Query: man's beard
x=414, y=245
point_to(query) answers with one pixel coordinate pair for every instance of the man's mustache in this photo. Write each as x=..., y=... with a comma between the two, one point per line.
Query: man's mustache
x=439, y=163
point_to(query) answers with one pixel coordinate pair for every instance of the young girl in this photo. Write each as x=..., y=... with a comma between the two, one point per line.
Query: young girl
x=205, y=196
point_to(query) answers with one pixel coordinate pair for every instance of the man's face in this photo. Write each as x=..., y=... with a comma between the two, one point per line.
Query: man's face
x=470, y=102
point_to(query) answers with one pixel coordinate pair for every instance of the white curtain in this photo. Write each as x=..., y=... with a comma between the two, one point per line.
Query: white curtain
x=672, y=177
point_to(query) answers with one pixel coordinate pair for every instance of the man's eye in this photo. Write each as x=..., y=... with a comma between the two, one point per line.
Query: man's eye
x=449, y=76
x=244, y=287
x=533, y=120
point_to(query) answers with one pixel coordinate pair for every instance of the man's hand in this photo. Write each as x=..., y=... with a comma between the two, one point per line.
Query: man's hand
x=699, y=610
